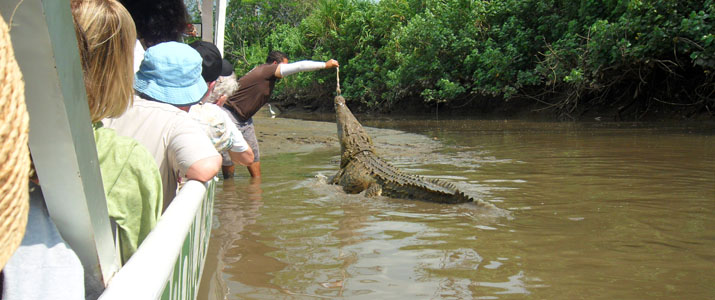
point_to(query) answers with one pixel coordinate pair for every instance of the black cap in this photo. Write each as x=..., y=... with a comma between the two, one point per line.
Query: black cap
x=212, y=64
x=226, y=68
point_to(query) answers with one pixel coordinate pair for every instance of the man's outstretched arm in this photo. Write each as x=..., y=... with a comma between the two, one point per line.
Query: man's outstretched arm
x=304, y=66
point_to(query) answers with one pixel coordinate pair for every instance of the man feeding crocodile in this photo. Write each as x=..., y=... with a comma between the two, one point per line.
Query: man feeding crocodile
x=255, y=91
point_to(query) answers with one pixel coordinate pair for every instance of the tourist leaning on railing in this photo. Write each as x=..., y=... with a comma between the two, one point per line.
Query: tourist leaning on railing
x=218, y=74
x=158, y=126
x=169, y=78
x=132, y=184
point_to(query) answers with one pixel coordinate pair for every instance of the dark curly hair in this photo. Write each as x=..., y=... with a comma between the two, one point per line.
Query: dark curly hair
x=158, y=21
x=276, y=56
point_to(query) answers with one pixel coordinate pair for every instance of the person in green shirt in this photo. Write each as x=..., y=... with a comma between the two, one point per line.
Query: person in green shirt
x=132, y=183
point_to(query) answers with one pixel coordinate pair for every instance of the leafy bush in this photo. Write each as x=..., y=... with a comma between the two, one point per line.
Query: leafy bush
x=564, y=55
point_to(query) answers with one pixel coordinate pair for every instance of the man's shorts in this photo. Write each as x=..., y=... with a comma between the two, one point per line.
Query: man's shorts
x=250, y=135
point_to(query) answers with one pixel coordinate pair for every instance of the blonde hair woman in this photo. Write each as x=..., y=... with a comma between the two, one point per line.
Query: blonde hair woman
x=106, y=36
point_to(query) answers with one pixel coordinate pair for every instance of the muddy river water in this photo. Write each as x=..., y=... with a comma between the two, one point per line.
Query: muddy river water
x=586, y=211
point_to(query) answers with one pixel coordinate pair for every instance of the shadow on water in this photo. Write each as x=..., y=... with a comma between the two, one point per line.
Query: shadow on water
x=596, y=211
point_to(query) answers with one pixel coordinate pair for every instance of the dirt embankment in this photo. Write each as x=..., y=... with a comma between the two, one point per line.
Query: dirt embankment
x=280, y=135
x=283, y=135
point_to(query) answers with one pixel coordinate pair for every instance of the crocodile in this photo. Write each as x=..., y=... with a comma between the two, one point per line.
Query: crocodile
x=361, y=169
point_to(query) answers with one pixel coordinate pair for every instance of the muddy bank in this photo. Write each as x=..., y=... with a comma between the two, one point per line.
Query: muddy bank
x=282, y=135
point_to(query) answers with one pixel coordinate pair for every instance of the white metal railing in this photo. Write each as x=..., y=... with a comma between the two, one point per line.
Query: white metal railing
x=169, y=262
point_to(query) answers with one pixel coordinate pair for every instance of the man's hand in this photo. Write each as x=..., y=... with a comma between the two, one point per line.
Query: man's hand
x=221, y=100
x=331, y=64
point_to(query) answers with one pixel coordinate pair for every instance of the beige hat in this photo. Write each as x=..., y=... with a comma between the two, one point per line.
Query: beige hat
x=14, y=153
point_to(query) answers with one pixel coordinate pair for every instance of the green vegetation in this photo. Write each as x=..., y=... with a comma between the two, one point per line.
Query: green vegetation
x=630, y=58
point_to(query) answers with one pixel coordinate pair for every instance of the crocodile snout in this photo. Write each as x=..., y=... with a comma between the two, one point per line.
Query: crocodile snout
x=339, y=101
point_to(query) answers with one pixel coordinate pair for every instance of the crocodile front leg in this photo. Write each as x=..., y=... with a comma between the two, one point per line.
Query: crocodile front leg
x=374, y=190
x=335, y=179
x=354, y=178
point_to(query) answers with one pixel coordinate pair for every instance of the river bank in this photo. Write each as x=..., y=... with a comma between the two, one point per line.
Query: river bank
x=285, y=135
x=292, y=131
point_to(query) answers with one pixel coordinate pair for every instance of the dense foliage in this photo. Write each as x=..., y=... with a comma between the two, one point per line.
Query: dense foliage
x=567, y=56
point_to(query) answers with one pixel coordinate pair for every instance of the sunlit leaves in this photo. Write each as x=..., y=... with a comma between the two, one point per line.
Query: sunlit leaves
x=402, y=52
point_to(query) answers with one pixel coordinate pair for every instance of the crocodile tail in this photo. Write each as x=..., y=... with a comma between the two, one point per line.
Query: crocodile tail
x=399, y=184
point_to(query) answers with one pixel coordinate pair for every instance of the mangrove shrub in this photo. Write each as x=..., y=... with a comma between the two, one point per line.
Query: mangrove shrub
x=632, y=57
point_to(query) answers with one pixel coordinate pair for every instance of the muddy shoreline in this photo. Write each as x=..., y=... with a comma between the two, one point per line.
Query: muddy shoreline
x=284, y=135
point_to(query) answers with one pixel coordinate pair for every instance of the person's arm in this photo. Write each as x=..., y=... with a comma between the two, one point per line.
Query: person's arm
x=191, y=150
x=303, y=66
x=244, y=158
x=204, y=169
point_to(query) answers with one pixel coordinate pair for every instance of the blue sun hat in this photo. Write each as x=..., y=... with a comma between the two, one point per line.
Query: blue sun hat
x=171, y=73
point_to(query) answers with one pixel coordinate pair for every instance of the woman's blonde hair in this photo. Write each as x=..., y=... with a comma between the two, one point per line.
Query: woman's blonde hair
x=106, y=36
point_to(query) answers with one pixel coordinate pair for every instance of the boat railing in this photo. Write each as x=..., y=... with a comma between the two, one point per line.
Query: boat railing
x=173, y=249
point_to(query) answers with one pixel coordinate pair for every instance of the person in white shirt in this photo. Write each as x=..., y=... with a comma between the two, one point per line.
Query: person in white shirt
x=219, y=76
